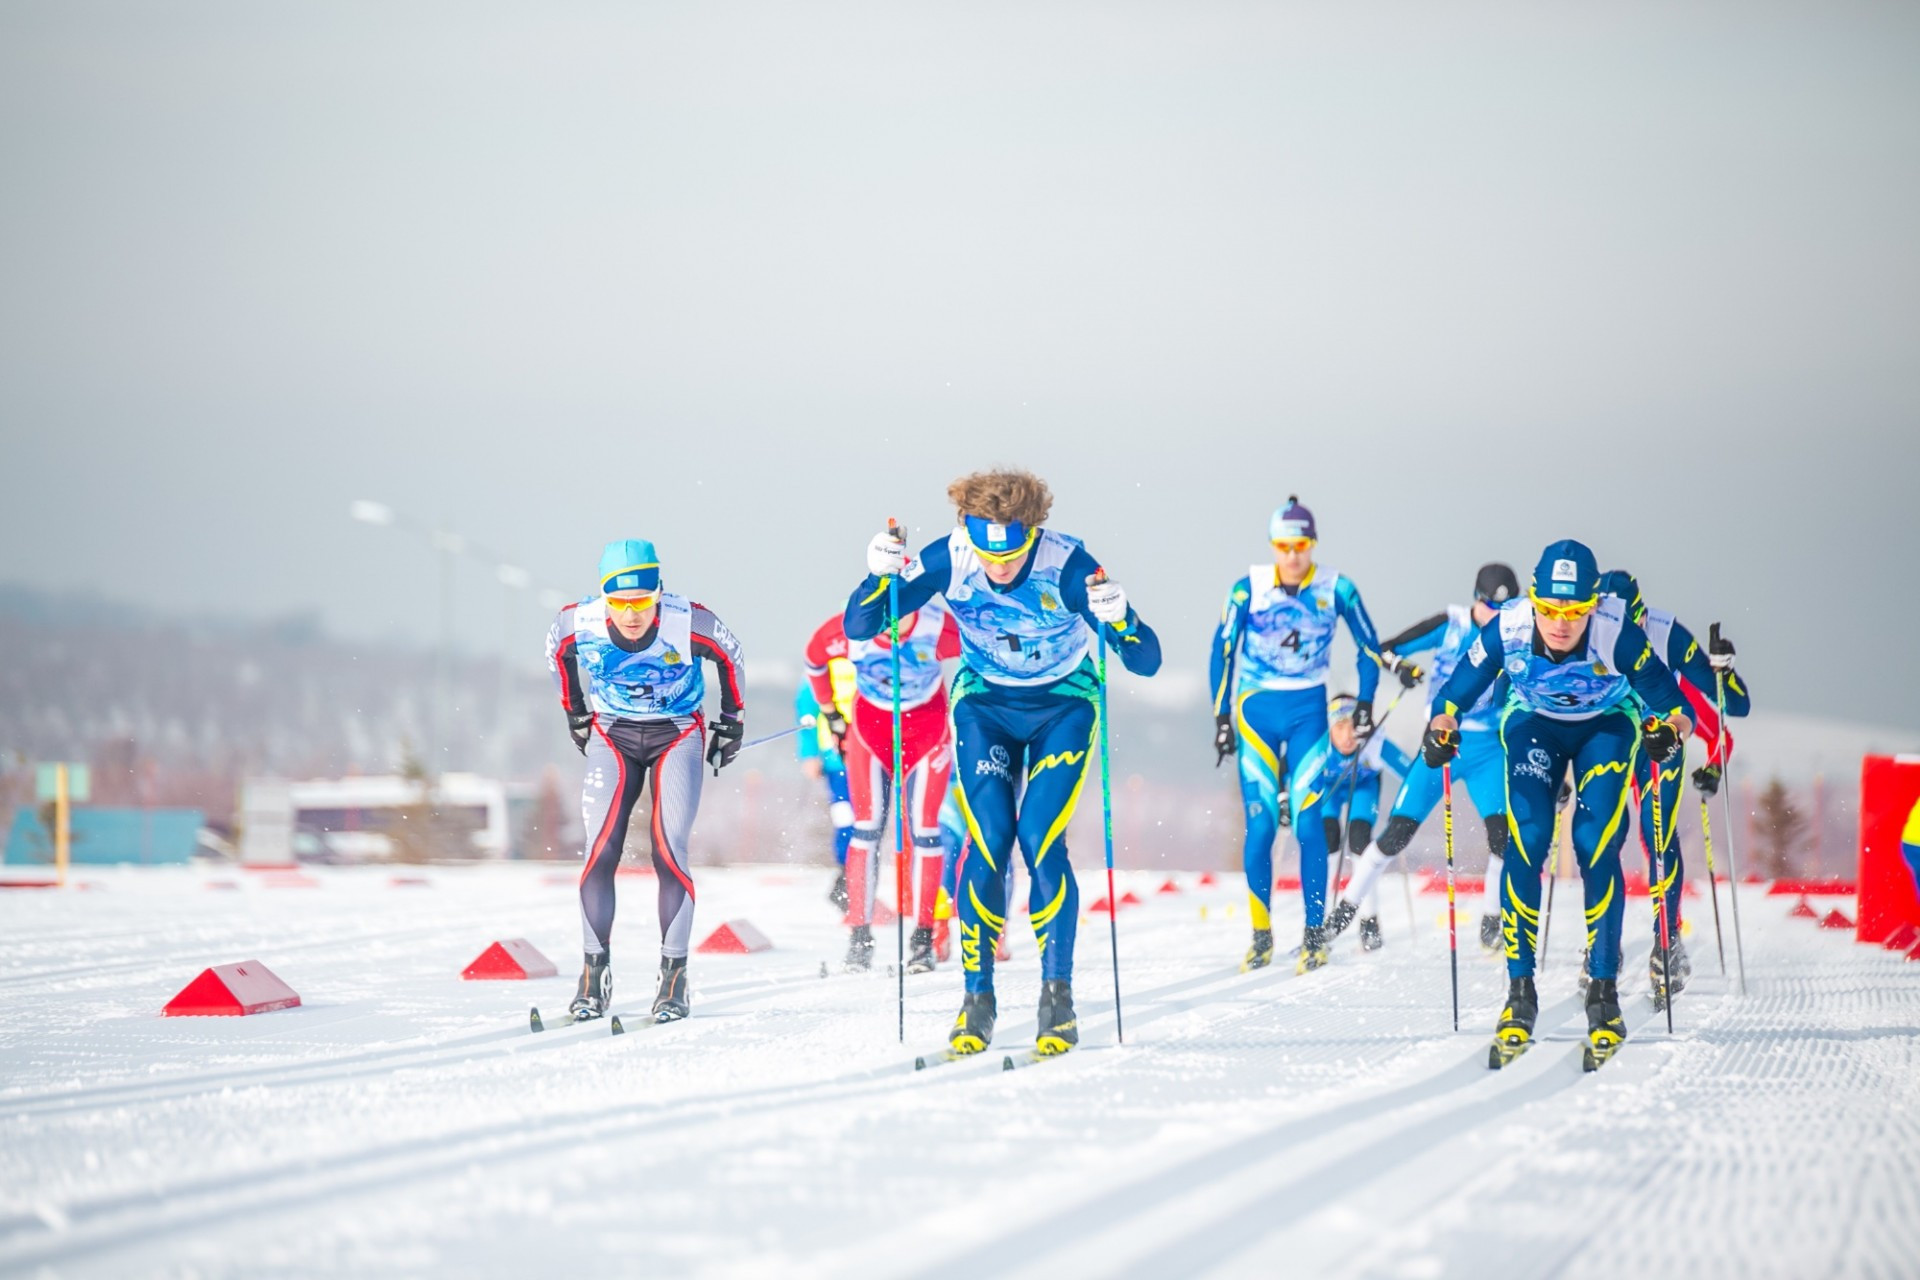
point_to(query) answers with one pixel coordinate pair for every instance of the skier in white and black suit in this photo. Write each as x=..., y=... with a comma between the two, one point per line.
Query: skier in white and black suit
x=628, y=665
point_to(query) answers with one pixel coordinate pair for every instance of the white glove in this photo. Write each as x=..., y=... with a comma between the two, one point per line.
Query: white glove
x=1107, y=601
x=886, y=556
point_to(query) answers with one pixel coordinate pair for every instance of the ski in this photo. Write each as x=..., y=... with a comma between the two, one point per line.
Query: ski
x=1505, y=1052
x=926, y=1061
x=1027, y=1058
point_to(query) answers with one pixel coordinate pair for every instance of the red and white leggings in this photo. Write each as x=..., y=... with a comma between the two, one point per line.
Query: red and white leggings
x=927, y=757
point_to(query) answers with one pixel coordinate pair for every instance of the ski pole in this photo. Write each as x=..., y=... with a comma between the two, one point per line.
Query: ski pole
x=1406, y=885
x=1453, y=932
x=1713, y=883
x=1659, y=890
x=1553, y=875
x=1726, y=796
x=775, y=737
x=899, y=799
x=1353, y=771
x=1106, y=814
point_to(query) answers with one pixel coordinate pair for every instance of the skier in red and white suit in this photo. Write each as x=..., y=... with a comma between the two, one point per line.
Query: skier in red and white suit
x=926, y=637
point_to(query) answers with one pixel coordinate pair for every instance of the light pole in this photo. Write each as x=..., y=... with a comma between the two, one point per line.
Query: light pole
x=447, y=545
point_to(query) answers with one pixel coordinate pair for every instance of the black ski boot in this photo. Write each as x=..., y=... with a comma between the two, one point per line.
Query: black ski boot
x=595, y=992
x=1343, y=914
x=860, y=949
x=670, y=999
x=1667, y=985
x=920, y=959
x=1260, y=954
x=1514, y=1034
x=1313, y=950
x=1370, y=939
x=1606, y=1029
x=973, y=1029
x=1490, y=932
x=838, y=894
x=1059, y=1029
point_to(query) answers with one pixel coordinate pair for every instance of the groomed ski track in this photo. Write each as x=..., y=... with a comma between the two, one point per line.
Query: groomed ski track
x=404, y=1122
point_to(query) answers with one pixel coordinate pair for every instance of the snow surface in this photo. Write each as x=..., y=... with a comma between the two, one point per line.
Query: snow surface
x=404, y=1122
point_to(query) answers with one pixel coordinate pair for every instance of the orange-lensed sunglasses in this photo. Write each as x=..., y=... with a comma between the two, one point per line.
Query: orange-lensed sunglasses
x=1563, y=610
x=640, y=605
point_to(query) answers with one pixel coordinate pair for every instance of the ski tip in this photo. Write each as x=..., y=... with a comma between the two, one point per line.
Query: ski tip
x=533, y=1020
x=1006, y=1063
x=919, y=1064
x=823, y=968
x=615, y=1026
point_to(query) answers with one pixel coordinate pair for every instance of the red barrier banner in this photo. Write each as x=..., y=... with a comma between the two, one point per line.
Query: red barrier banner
x=1889, y=846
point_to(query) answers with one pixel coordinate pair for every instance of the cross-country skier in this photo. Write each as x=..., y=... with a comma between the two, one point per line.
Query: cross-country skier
x=820, y=759
x=628, y=665
x=927, y=636
x=1694, y=667
x=1340, y=773
x=1447, y=636
x=1025, y=708
x=1269, y=677
x=1575, y=662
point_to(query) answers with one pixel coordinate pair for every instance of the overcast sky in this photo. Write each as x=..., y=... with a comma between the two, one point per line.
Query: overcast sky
x=747, y=279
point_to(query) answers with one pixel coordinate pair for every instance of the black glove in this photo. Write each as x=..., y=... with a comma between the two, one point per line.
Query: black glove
x=580, y=725
x=724, y=745
x=1407, y=670
x=1707, y=778
x=1439, y=746
x=836, y=725
x=1660, y=739
x=1225, y=740
x=1566, y=794
x=1719, y=650
x=1363, y=721
x=1286, y=810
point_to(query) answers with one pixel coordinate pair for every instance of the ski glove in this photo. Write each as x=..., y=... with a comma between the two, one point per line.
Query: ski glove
x=1566, y=794
x=887, y=555
x=1661, y=740
x=725, y=743
x=1363, y=721
x=1225, y=740
x=1439, y=746
x=1407, y=670
x=1707, y=778
x=1286, y=810
x=836, y=725
x=1719, y=651
x=1106, y=601
x=580, y=725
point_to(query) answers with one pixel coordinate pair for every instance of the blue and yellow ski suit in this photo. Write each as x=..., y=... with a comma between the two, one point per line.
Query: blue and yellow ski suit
x=1025, y=711
x=1268, y=671
x=1577, y=709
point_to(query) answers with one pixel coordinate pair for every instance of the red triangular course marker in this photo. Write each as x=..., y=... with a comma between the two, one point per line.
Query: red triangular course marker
x=1836, y=919
x=1168, y=887
x=1207, y=880
x=735, y=938
x=1129, y=899
x=229, y=990
x=1801, y=910
x=510, y=959
x=1903, y=938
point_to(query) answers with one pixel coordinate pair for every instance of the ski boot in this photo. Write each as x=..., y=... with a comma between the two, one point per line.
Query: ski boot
x=860, y=949
x=670, y=998
x=942, y=941
x=1606, y=1029
x=1666, y=986
x=1313, y=950
x=1342, y=916
x=1059, y=1029
x=1514, y=1034
x=973, y=1029
x=1490, y=932
x=1260, y=954
x=595, y=992
x=838, y=894
x=1370, y=939
x=920, y=959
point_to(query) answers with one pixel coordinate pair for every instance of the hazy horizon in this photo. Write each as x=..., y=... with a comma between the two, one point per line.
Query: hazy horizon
x=747, y=280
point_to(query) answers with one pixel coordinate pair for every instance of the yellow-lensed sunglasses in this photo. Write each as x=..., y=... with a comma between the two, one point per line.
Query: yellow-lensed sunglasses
x=1292, y=546
x=1005, y=557
x=1563, y=610
x=632, y=604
